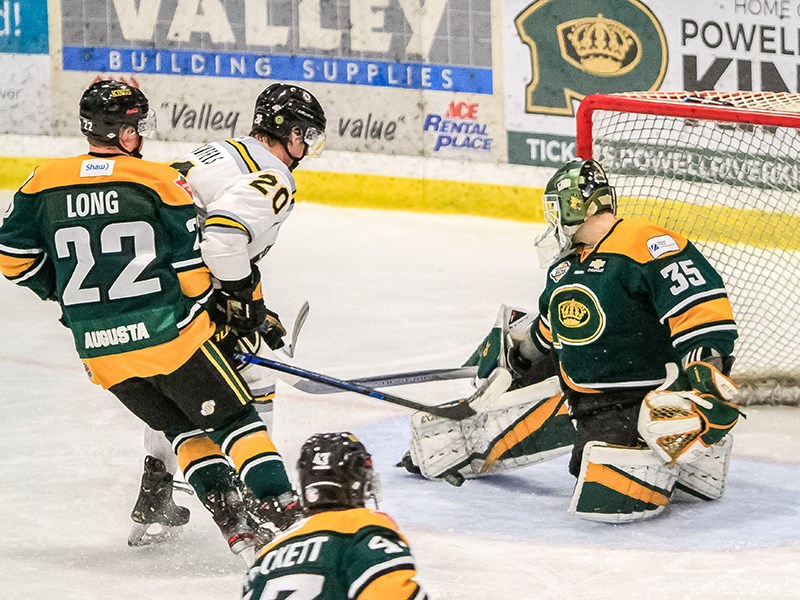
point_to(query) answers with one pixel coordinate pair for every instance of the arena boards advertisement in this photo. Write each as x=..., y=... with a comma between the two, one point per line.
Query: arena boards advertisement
x=395, y=76
x=558, y=51
x=25, y=67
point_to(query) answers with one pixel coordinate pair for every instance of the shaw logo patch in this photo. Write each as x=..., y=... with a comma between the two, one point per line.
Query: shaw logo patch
x=97, y=167
x=661, y=245
x=559, y=271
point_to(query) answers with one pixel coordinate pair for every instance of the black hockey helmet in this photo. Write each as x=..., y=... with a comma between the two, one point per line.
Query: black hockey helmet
x=282, y=107
x=335, y=471
x=107, y=105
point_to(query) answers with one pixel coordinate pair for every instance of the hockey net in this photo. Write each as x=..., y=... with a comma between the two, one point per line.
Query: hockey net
x=724, y=170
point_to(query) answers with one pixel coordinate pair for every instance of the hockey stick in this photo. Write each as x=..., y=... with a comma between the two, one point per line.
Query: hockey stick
x=299, y=321
x=394, y=379
x=455, y=409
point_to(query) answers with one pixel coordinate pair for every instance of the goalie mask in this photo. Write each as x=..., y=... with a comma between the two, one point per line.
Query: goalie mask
x=282, y=107
x=576, y=191
x=335, y=472
x=107, y=106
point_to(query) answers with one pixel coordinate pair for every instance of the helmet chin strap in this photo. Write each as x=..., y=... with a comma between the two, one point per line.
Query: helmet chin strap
x=295, y=159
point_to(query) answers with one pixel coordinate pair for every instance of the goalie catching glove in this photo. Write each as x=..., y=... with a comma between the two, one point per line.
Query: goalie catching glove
x=679, y=426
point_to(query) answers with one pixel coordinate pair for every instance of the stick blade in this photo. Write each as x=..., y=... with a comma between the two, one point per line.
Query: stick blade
x=299, y=321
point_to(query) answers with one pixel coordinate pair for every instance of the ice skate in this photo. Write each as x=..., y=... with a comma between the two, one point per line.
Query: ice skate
x=228, y=511
x=156, y=517
x=272, y=515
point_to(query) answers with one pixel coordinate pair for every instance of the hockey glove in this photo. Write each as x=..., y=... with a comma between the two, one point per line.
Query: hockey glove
x=241, y=304
x=679, y=426
x=272, y=330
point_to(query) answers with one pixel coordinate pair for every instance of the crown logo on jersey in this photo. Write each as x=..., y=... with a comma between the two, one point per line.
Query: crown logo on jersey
x=601, y=46
x=572, y=313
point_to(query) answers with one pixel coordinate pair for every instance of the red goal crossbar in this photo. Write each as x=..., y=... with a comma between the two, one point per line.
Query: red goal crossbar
x=708, y=106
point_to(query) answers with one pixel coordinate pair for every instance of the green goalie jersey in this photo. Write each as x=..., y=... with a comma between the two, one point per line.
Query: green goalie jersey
x=355, y=554
x=644, y=296
x=114, y=241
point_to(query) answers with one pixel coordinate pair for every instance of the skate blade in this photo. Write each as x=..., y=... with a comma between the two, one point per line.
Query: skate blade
x=247, y=555
x=141, y=535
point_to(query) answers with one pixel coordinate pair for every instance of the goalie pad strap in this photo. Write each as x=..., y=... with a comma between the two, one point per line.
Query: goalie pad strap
x=704, y=479
x=617, y=484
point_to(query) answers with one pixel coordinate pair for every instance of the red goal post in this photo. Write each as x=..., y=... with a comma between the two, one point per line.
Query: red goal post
x=723, y=168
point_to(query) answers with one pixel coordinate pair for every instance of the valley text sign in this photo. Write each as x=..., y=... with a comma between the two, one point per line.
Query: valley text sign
x=387, y=43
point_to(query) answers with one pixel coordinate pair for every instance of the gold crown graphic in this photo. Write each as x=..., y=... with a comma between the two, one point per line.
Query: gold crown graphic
x=602, y=45
x=572, y=313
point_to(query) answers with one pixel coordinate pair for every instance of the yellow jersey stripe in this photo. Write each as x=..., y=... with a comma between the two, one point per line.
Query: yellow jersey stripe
x=14, y=266
x=195, y=283
x=244, y=153
x=706, y=313
x=228, y=374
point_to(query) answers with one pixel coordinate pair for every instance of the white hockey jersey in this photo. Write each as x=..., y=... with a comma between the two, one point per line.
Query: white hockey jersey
x=243, y=194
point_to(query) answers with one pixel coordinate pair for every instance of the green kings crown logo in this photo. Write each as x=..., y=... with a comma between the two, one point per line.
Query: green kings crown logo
x=576, y=316
x=582, y=47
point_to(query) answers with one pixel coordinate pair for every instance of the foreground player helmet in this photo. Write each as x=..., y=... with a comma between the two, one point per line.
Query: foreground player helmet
x=106, y=106
x=281, y=107
x=576, y=191
x=335, y=471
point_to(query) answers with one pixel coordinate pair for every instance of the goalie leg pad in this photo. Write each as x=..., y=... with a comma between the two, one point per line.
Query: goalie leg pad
x=618, y=484
x=525, y=433
x=438, y=445
x=705, y=478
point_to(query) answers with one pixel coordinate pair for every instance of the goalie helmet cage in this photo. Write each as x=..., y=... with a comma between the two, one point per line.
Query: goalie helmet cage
x=722, y=168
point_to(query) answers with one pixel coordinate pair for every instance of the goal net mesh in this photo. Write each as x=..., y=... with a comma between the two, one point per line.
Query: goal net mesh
x=733, y=188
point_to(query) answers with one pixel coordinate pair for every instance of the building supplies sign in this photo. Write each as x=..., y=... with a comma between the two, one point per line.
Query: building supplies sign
x=435, y=45
x=25, y=67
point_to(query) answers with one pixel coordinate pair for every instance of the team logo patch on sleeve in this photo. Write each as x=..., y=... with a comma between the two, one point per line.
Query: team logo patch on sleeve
x=183, y=184
x=559, y=271
x=662, y=244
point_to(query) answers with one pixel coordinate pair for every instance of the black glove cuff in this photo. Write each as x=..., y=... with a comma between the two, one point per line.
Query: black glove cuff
x=244, y=286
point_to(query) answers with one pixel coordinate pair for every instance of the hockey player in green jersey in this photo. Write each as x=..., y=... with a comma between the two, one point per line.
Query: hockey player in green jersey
x=638, y=327
x=341, y=550
x=113, y=239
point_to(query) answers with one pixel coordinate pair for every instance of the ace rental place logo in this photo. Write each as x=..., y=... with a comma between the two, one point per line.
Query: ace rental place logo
x=581, y=47
x=459, y=128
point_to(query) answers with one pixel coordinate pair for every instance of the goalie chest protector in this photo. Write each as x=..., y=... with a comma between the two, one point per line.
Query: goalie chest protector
x=642, y=297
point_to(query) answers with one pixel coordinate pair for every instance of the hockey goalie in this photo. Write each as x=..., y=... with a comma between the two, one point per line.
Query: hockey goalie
x=626, y=366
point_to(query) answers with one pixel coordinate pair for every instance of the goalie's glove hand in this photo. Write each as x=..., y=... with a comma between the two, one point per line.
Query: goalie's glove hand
x=679, y=426
x=241, y=304
x=272, y=330
x=720, y=412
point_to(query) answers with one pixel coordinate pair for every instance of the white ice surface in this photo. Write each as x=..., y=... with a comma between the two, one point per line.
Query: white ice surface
x=388, y=292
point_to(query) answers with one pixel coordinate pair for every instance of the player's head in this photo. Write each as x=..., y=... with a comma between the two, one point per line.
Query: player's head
x=576, y=191
x=335, y=472
x=286, y=112
x=116, y=114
